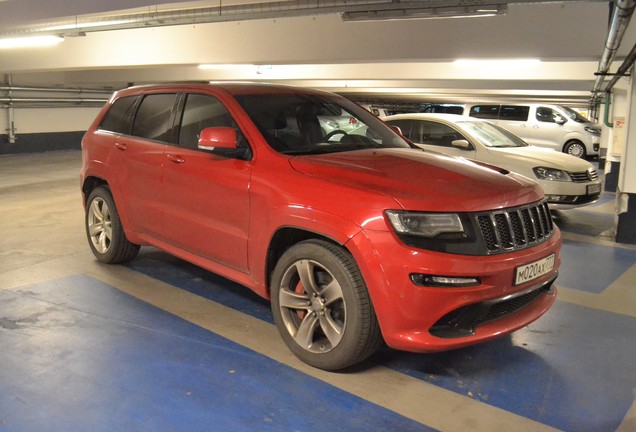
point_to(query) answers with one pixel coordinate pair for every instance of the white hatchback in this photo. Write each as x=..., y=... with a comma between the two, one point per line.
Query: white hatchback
x=567, y=181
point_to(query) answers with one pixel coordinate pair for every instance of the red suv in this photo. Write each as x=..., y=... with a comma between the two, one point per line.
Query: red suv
x=356, y=236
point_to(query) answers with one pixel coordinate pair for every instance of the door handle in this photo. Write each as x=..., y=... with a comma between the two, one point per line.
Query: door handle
x=121, y=146
x=175, y=158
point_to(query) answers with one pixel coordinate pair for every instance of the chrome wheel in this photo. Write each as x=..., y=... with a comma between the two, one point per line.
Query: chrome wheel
x=321, y=306
x=575, y=149
x=312, y=306
x=106, y=236
x=100, y=225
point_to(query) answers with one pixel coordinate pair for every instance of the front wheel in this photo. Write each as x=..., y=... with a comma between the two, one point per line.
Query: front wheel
x=105, y=233
x=321, y=306
x=575, y=148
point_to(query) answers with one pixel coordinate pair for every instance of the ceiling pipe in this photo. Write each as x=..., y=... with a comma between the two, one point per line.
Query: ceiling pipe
x=10, y=87
x=623, y=69
x=623, y=11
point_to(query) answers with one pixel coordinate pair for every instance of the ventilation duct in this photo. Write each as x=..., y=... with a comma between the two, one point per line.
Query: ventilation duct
x=623, y=11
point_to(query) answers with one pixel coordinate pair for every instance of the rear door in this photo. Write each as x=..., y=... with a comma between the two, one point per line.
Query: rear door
x=139, y=158
x=206, y=197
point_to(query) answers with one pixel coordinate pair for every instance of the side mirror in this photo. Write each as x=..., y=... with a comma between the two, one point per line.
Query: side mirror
x=221, y=141
x=462, y=144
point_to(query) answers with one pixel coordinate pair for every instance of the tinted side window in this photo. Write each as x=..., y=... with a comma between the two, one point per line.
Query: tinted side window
x=119, y=116
x=405, y=127
x=512, y=112
x=154, y=117
x=548, y=115
x=485, y=111
x=435, y=134
x=200, y=112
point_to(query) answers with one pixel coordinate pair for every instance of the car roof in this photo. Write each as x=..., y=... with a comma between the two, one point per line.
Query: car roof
x=452, y=118
x=232, y=87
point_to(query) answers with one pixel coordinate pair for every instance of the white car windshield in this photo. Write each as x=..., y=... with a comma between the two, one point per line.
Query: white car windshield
x=491, y=135
x=575, y=115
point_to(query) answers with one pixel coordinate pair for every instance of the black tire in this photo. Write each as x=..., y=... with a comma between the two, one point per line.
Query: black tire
x=575, y=148
x=104, y=231
x=332, y=324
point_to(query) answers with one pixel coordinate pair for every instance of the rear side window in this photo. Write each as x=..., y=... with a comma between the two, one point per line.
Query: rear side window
x=485, y=111
x=200, y=112
x=119, y=116
x=514, y=112
x=154, y=119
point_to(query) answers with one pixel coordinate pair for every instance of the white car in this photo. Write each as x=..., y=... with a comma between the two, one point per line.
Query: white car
x=567, y=181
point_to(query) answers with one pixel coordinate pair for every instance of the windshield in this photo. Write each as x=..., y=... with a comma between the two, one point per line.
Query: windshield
x=573, y=115
x=314, y=124
x=491, y=135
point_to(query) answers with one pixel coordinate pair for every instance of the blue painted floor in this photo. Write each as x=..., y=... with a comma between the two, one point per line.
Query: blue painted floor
x=573, y=369
x=84, y=356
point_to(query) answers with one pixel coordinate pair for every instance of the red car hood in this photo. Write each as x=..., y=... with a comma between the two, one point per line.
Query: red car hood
x=420, y=180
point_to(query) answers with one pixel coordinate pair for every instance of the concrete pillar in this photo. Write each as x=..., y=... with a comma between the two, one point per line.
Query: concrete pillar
x=613, y=139
x=626, y=188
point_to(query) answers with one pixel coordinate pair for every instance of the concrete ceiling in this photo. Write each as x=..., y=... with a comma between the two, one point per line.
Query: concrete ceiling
x=411, y=60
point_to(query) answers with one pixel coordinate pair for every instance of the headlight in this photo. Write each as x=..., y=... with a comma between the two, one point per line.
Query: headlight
x=593, y=131
x=551, y=174
x=425, y=224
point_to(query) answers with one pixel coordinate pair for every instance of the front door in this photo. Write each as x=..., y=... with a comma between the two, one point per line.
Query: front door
x=206, y=197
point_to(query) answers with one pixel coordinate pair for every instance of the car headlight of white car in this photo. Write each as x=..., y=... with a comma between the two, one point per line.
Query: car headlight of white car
x=593, y=131
x=551, y=174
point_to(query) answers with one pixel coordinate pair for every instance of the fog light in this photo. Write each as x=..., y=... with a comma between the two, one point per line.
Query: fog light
x=556, y=198
x=443, y=281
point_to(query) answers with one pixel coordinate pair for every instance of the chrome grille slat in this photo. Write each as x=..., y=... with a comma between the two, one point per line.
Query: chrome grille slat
x=515, y=228
x=584, y=176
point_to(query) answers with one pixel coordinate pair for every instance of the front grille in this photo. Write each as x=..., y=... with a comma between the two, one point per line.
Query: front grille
x=464, y=321
x=515, y=228
x=584, y=177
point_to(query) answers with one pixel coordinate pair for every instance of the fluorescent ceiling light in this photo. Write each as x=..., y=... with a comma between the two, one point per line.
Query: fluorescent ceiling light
x=32, y=41
x=497, y=62
x=401, y=11
x=85, y=25
x=225, y=66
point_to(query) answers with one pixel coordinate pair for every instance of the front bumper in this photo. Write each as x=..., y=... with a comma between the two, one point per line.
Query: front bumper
x=568, y=195
x=427, y=319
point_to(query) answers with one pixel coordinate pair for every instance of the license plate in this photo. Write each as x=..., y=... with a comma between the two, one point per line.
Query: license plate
x=594, y=189
x=528, y=272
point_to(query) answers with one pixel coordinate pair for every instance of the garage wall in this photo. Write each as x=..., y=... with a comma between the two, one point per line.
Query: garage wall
x=45, y=129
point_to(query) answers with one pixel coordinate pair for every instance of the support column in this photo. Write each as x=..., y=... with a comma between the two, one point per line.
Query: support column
x=613, y=138
x=626, y=190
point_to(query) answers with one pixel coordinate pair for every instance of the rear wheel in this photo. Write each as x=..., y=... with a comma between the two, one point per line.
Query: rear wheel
x=105, y=233
x=575, y=148
x=321, y=306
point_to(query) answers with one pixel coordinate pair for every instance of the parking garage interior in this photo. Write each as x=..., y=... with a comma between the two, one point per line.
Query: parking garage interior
x=160, y=344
